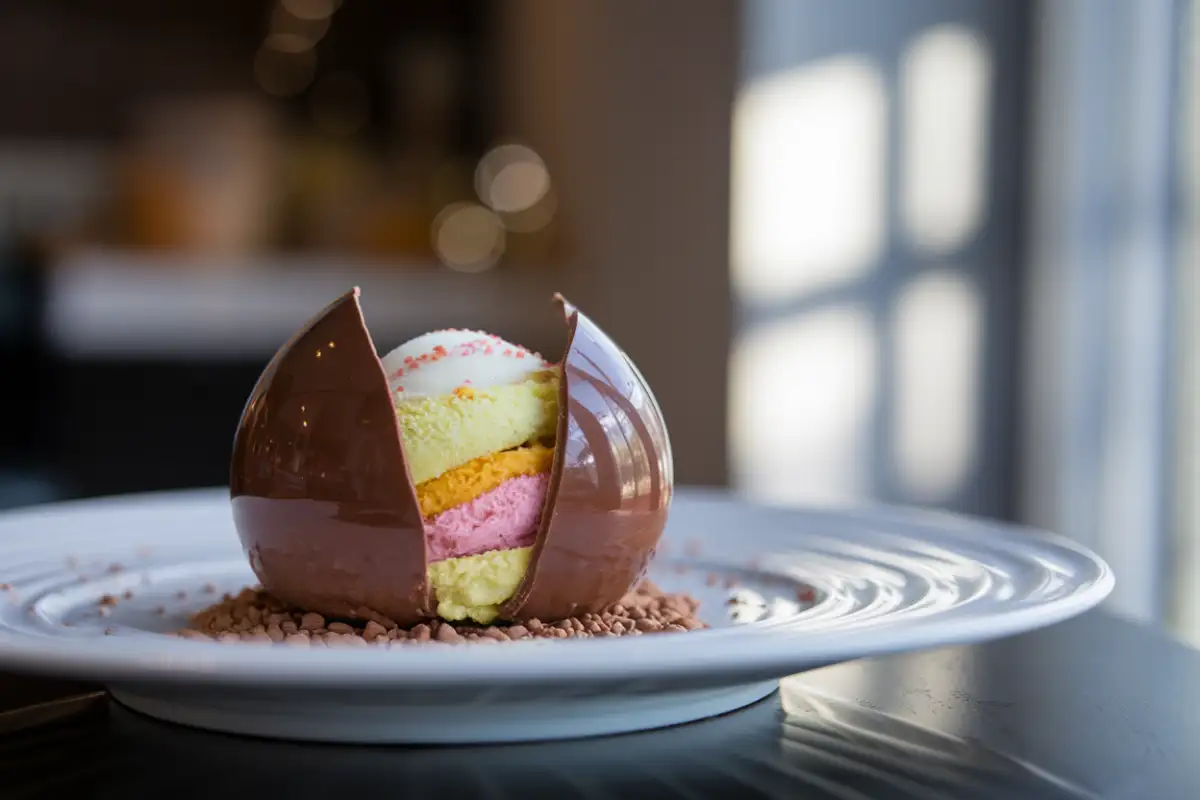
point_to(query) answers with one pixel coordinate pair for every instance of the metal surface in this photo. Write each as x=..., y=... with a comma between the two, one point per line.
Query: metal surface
x=1096, y=707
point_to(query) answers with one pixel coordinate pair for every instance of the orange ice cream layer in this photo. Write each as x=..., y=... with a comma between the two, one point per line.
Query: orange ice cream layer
x=463, y=484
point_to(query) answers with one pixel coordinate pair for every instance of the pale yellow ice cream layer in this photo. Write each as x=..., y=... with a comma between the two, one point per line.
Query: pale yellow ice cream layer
x=441, y=433
x=474, y=587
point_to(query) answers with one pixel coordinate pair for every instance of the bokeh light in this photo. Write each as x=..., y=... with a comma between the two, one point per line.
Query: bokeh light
x=511, y=178
x=534, y=218
x=310, y=9
x=468, y=237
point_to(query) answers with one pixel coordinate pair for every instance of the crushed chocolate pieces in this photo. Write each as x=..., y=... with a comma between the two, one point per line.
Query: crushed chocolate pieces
x=255, y=616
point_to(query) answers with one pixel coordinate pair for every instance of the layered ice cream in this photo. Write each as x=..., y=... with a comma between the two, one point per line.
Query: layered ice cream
x=429, y=483
x=478, y=417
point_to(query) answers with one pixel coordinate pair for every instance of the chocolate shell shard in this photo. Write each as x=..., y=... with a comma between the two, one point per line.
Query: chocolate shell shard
x=611, y=485
x=322, y=496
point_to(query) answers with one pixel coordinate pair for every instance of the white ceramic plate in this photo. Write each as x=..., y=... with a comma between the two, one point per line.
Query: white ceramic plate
x=784, y=590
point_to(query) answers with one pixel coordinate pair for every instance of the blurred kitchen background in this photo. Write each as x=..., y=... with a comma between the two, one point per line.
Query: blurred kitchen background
x=933, y=252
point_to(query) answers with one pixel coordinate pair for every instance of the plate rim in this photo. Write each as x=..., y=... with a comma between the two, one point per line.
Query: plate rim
x=776, y=653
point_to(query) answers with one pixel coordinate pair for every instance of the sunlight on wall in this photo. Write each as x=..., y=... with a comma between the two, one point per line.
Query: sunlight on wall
x=946, y=78
x=938, y=328
x=801, y=393
x=808, y=183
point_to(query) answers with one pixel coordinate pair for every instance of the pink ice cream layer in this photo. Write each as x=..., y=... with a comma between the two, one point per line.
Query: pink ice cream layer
x=502, y=518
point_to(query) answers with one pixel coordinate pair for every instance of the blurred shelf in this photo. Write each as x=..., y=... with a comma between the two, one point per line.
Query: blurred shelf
x=105, y=304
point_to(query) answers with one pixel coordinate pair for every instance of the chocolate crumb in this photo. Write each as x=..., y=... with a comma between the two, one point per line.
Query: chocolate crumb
x=364, y=613
x=209, y=589
x=446, y=633
x=5, y=587
x=181, y=595
x=127, y=594
x=114, y=568
x=255, y=616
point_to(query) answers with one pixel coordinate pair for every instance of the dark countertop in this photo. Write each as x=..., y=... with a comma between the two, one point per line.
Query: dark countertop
x=1095, y=707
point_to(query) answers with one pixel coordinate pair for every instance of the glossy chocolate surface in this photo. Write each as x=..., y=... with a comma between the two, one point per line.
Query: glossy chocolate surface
x=322, y=496
x=327, y=512
x=611, y=486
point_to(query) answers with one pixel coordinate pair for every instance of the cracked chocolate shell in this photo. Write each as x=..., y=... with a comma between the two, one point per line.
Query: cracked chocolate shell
x=325, y=506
